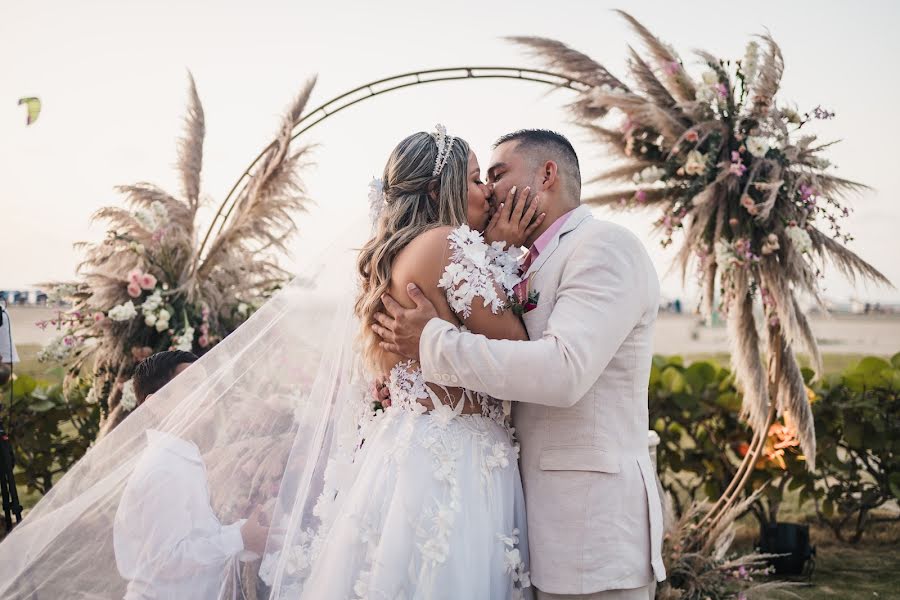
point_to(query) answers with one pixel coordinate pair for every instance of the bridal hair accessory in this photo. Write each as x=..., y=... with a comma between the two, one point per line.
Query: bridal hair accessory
x=376, y=198
x=444, y=145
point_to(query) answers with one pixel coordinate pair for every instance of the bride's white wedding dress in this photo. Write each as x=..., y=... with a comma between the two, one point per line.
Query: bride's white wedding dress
x=434, y=508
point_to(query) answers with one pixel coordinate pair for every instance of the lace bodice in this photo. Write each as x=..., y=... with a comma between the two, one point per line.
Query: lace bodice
x=407, y=386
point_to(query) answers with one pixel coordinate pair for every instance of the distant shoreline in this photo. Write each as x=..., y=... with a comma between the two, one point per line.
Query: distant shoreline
x=874, y=334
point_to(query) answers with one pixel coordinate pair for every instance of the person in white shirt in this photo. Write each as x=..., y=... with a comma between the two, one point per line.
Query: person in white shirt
x=8, y=355
x=166, y=537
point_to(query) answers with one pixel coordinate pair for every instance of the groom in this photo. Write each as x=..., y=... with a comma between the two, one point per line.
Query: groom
x=580, y=383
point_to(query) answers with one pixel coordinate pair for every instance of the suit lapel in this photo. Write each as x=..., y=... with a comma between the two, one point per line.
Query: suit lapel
x=578, y=216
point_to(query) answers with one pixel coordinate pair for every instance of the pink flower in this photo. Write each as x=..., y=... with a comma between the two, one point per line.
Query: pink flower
x=134, y=289
x=722, y=90
x=203, y=341
x=773, y=322
x=204, y=328
x=692, y=136
x=640, y=196
x=98, y=317
x=147, y=281
x=673, y=67
x=134, y=276
x=733, y=221
x=748, y=203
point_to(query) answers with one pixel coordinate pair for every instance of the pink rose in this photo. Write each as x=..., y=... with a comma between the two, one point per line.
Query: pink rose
x=692, y=136
x=134, y=276
x=147, y=281
x=748, y=203
x=203, y=341
x=98, y=317
x=134, y=289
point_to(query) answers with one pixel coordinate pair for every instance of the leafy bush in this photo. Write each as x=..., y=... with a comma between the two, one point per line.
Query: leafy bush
x=695, y=409
x=49, y=430
x=858, y=433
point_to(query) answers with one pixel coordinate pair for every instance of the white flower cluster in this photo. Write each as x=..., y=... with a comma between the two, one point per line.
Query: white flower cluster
x=57, y=350
x=757, y=146
x=477, y=269
x=707, y=92
x=154, y=314
x=129, y=398
x=154, y=218
x=185, y=341
x=799, y=238
x=725, y=256
x=122, y=312
x=650, y=174
x=376, y=199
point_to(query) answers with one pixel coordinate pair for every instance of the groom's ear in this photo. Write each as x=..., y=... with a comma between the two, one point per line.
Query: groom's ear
x=550, y=174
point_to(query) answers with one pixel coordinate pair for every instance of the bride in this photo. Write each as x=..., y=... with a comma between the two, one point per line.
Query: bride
x=435, y=509
x=419, y=498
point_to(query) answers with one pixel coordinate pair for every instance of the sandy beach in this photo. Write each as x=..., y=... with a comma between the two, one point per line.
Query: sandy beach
x=675, y=334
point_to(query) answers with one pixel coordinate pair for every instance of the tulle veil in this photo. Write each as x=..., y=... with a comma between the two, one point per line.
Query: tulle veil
x=270, y=408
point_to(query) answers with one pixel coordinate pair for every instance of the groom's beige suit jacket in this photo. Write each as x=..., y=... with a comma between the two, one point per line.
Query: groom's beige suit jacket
x=580, y=387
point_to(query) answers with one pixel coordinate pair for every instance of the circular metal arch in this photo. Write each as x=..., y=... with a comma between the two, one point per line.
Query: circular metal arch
x=383, y=86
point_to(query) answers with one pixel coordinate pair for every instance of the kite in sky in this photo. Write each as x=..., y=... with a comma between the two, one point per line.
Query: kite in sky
x=34, y=108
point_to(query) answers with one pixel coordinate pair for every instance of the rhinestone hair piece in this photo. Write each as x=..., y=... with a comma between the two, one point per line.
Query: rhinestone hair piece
x=444, y=144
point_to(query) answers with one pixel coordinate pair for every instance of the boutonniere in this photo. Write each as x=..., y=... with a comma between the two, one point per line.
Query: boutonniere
x=520, y=308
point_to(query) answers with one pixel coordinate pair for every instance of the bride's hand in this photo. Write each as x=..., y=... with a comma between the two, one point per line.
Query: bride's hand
x=513, y=222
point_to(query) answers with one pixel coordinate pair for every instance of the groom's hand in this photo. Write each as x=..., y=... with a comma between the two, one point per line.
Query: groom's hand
x=401, y=329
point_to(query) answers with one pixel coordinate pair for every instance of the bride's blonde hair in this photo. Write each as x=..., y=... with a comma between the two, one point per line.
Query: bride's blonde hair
x=409, y=210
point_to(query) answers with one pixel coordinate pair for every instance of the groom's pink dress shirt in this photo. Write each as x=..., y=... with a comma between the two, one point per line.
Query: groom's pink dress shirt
x=537, y=247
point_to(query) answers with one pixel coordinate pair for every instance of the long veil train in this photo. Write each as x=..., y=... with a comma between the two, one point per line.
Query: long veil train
x=269, y=409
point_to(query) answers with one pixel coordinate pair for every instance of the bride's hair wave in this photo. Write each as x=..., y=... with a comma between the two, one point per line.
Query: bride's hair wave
x=409, y=211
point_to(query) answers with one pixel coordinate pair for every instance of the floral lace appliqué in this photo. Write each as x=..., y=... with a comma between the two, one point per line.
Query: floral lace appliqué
x=478, y=269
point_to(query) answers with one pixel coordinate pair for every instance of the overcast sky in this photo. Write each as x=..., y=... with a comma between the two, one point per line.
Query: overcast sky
x=113, y=80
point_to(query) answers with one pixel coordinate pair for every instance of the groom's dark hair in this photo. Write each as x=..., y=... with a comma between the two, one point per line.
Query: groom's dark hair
x=541, y=145
x=152, y=373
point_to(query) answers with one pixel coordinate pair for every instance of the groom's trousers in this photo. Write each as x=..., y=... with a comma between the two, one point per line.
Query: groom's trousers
x=642, y=593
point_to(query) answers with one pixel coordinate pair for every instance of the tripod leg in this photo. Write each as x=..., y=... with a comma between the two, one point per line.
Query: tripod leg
x=8, y=483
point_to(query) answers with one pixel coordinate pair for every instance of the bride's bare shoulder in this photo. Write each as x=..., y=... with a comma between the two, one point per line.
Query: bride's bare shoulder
x=429, y=248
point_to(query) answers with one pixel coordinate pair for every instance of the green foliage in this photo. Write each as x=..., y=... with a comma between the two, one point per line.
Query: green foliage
x=858, y=434
x=695, y=410
x=49, y=429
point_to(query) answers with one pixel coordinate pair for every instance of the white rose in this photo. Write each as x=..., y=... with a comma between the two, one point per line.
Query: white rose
x=123, y=312
x=799, y=238
x=150, y=320
x=164, y=315
x=162, y=325
x=757, y=146
x=129, y=398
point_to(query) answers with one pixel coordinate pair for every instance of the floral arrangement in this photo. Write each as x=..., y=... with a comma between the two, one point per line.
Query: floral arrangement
x=149, y=286
x=720, y=572
x=734, y=171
